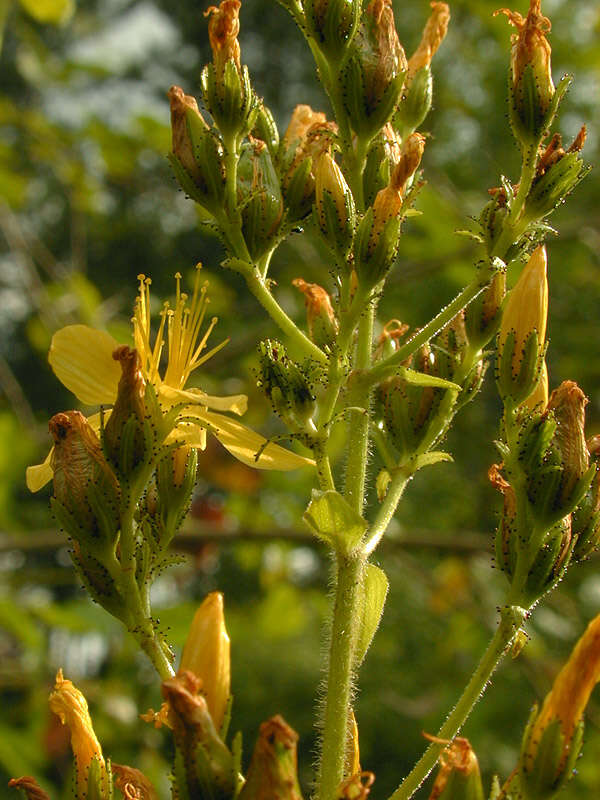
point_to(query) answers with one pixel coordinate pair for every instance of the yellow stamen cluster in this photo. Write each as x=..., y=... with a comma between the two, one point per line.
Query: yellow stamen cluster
x=185, y=341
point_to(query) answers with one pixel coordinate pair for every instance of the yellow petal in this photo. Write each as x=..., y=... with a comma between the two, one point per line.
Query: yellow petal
x=81, y=358
x=188, y=433
x=237, y=403
x=244, y=443
x=38, y=475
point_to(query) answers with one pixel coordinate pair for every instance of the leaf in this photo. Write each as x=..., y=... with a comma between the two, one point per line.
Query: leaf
x=433, y=457
x=422, y=379
x=332, y=519
x=375, y=591
x=49, y=11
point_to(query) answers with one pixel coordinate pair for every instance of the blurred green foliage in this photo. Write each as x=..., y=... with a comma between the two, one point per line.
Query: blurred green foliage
x=86, y=203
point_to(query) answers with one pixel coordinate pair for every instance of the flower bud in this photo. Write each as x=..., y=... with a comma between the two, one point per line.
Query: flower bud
x=531, y=86
x=483, y=315
x=168, y=497
x=206, y=655
x=204, y=766
x=418, y=87
x=332, y=23
x=197, y=157
x=334, y=205
x=458, y=777
x=71, y=706
x=307, y=136
x=285, y=385
x=124, y=436
x=557, y=173
x=383, y=155
x=273, y=770
x=521, y=340
x=553, y=737
x=493, y=218
x=86, y=492
x=410, y=412
x=322, y=322
x=378, y=232
x=225, y=83
x=259, y=197
x=373, y=76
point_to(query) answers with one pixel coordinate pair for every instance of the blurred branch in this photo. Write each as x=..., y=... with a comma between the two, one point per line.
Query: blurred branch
x=16, y=396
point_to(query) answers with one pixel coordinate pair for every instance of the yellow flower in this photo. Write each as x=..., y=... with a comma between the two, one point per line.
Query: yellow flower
x=82, y=359
x=71, y=706
x=206, y=654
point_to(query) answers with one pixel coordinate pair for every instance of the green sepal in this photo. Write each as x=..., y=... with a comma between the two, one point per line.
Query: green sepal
x=337, y=231
x=265, y=128
x=99, y=781
x=299, y=191
x=518, y=387
x=259, y=199
x=230, y=99
x=415, y=104
x=416, y=378
x=430, y=458
x=331, y=518
x=375, y=589
x=545, y=777
x=372, y=267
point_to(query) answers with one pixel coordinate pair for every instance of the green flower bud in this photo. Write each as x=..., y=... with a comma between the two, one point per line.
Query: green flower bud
x=273, y=769
x=384, y=154
x=168, y=498
x=483, y=315
x=322, y=322
x=197, y=157
x=531, y=89
x=259, y=198
x=332, y=23
x=125, y=440
x=285, y=385
x=557, y=173
x=373, y=76
x=334, y=206
x=493, y=218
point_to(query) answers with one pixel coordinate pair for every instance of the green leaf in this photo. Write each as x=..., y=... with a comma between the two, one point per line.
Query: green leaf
x=433, y=457
x=375, y=591
x=422, y=379
x=332, y=519
x=49, y=11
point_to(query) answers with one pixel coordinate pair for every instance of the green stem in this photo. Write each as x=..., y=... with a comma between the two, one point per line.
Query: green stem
x=388, y=366
x=510, y=622
x=344, y=632
x=356, y=468
x=259, y=289
x=387, y=510
x=149, y=643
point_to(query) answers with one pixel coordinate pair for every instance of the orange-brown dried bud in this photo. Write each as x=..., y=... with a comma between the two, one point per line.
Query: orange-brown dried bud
x=567, y=404
x=433, y=35
x=223, y=30
x=302, y=120
x=133, y=784
x=410, y=159
x=388, y=341
x=273, y=769
x=184, y=106
x=81, y=473
x=320, y=316
x=387, y=58
x=31, y=788
x=458, y=777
